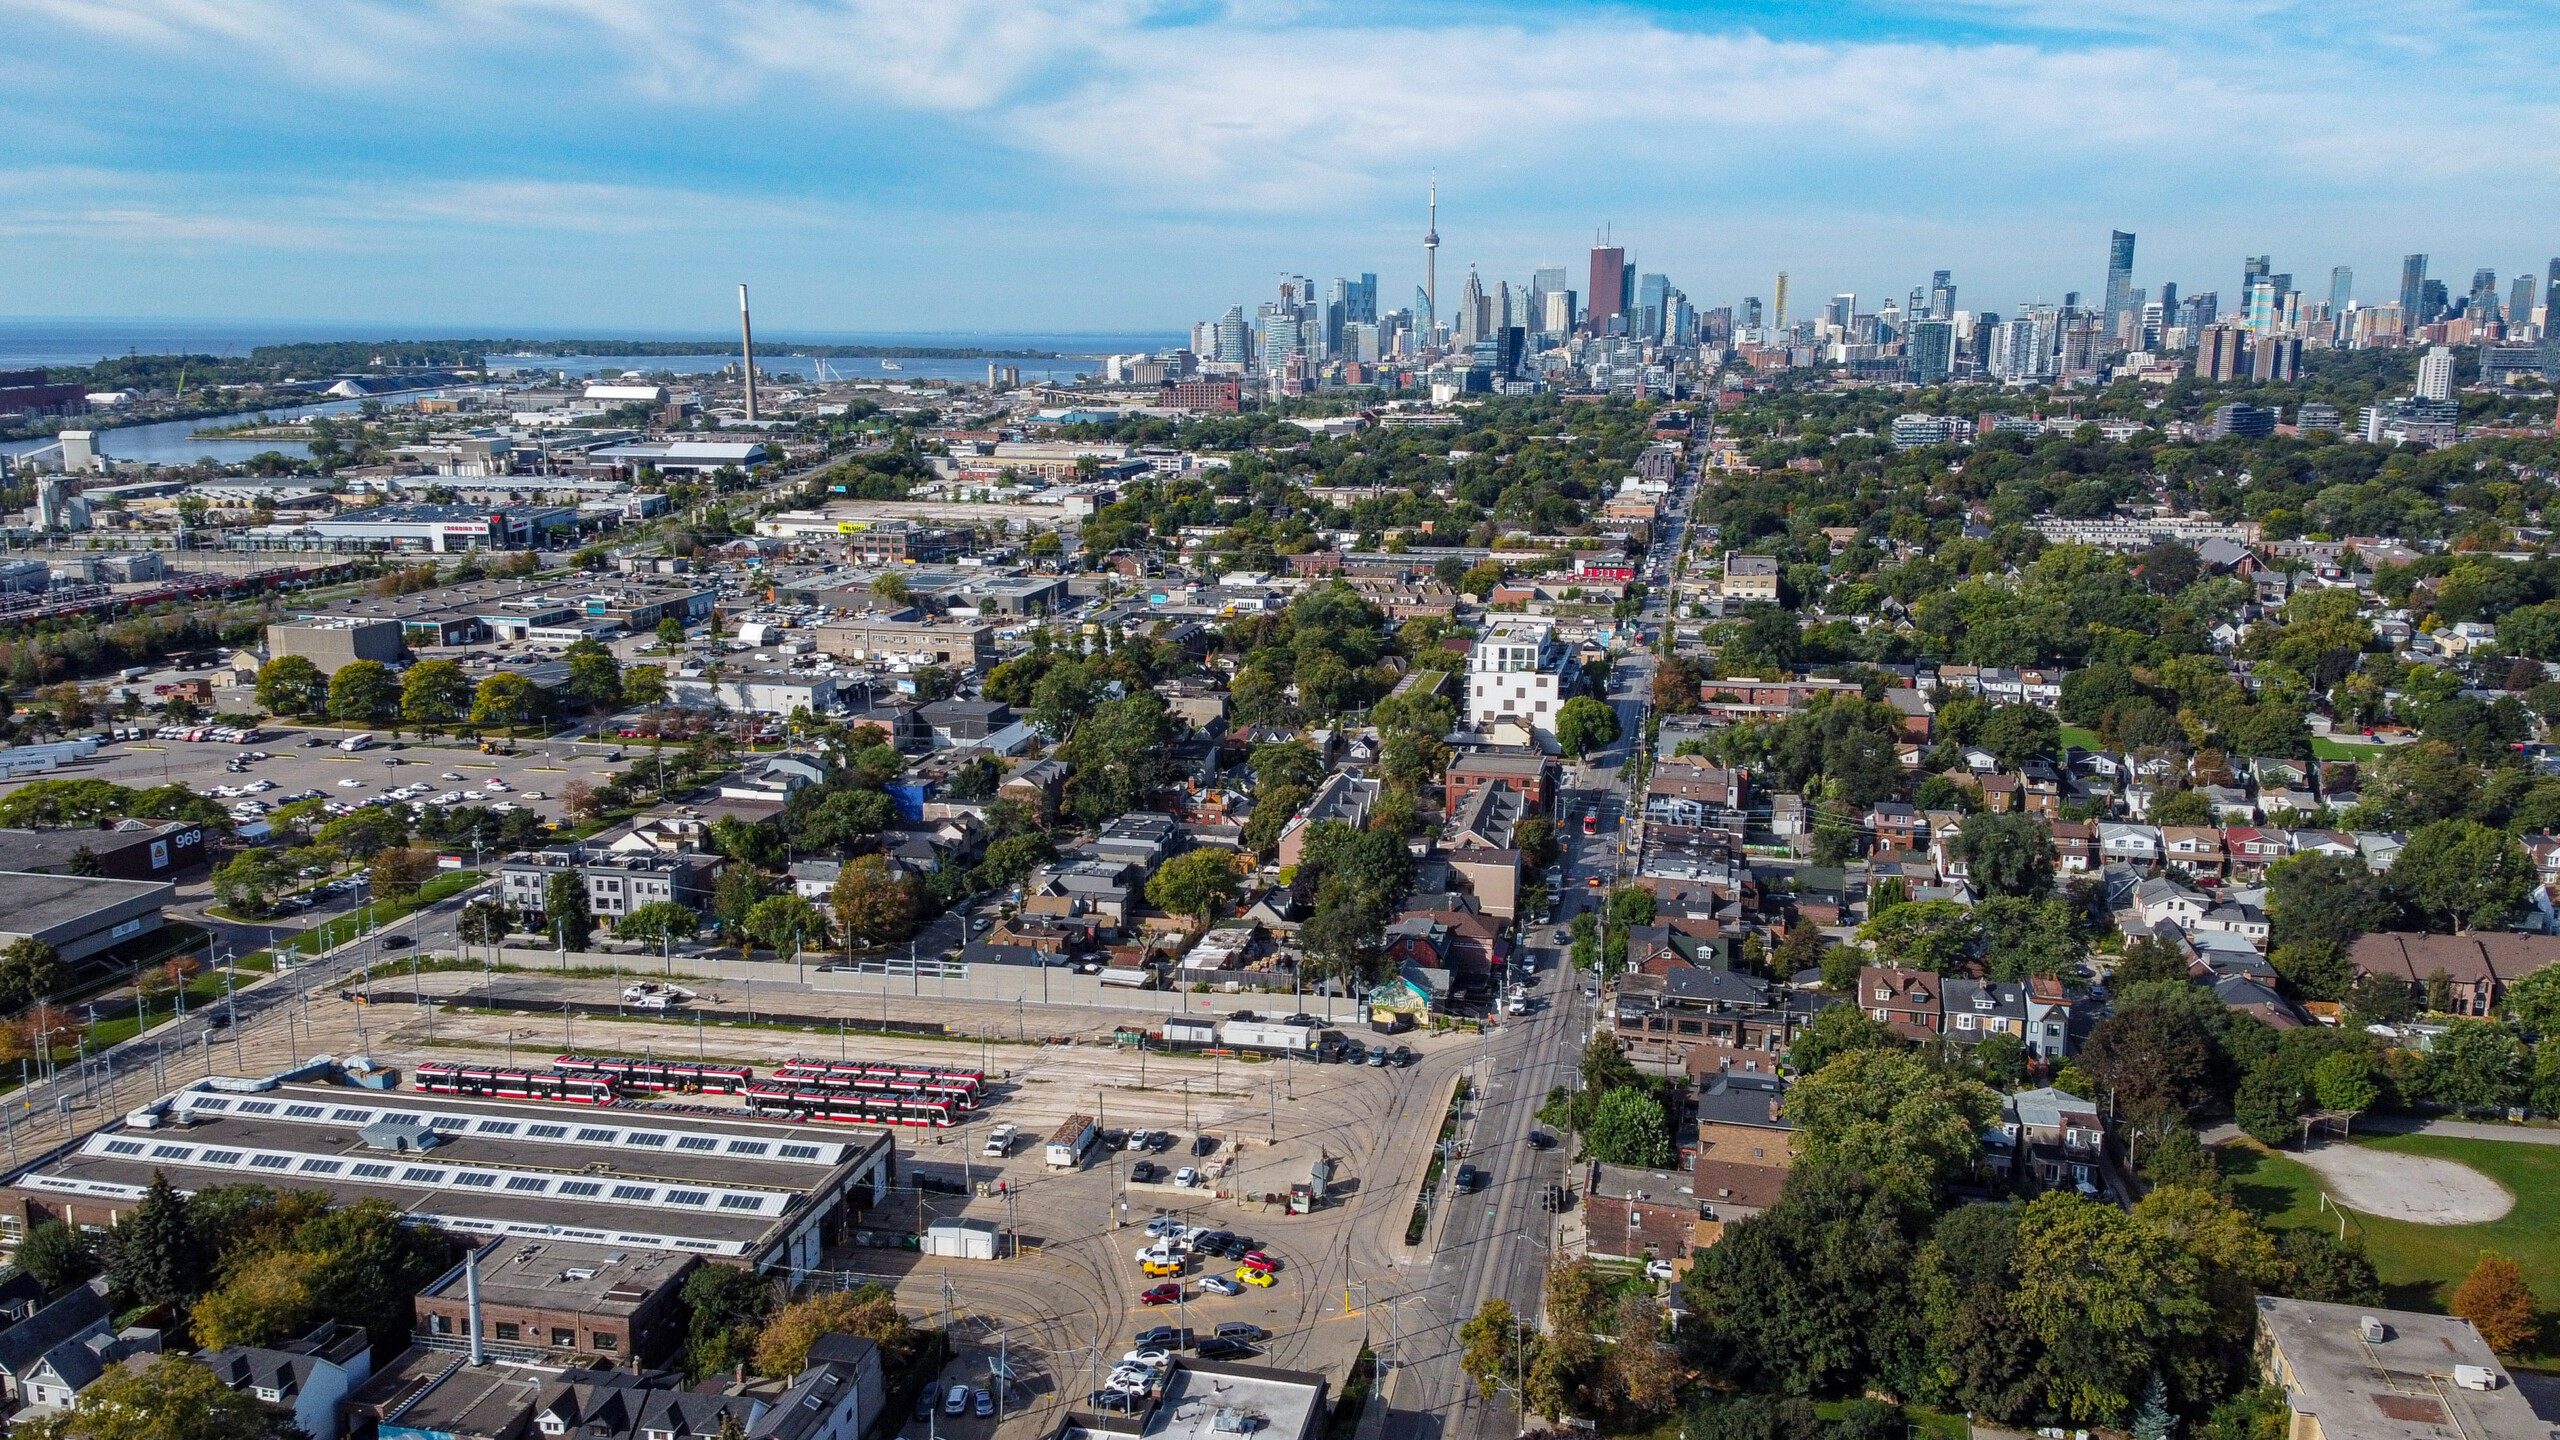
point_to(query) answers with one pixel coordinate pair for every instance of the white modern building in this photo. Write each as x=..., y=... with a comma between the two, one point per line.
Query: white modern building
x=1518, y=673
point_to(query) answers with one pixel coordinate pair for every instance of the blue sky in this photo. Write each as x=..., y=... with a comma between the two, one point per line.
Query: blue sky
x=1011, y=165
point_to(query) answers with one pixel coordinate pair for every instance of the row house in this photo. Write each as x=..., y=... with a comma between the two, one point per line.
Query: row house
x=1746, y=698
x=2477, y=969
x=2002, y=686
x=1945, y=826
x=2055, y=1141
x=2249, y=850
x=2037, y=1011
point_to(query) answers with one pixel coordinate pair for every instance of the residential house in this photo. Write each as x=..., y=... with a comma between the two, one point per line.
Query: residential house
x=1897, y=826
x=2379, y=848
x=837, y=1395
x=2192, y=850
x=2059, y=1140
x=1745, y=1145
x=1697, y=795
x=1630, y=1214
x=2234, y=918
x=2248, y=850
x=1907, y=1000
x=2120, y=843
x=1977, y=1010
x=2075, y=846
x=2048, y=1033
x=2040, y=788
x=2002, y=793
x=305, y=1378
x=2231, y=804
x=2257, y=999
x=1342, y=797
x=1103, y=891
x=1487, y=819
x=1038, y=784
x=48, y=1358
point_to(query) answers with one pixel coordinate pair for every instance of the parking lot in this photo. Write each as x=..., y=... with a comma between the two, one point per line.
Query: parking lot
x=299, y=761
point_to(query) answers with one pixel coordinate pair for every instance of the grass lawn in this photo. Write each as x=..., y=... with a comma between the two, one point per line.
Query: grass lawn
x=2324, y=748
x=2085, y=739
x=2421, y=1264
x=345, y=927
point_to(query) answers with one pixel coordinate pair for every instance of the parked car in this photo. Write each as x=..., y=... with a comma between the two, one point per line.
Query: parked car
x=1242, y=1330
x=1146, y=1172
x=1216, y=1349
x=1541, y=1140
x=1658, y=1270
x=1186, y=1177
x=1161, y=1337
x=1165, y=1294
x=982, y=1403
x=956, y=1400
x=1219, y=1285
x=1251, y=1276
x=1204, y=1144
x=1164, y=1225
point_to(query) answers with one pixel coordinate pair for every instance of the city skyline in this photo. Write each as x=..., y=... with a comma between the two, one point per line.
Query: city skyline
x=873, y=169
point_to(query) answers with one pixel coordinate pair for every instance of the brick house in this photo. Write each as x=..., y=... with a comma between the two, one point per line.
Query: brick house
x=1907, y=1000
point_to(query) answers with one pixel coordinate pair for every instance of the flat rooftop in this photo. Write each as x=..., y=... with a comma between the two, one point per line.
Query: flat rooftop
x=565, y=1275
x=607, y=1175
x=1287, y=1402
x=39, y=902
x=2395, y=1388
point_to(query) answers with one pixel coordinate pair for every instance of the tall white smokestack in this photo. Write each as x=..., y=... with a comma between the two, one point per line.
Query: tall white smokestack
x=471, y=1299
x=747, y=342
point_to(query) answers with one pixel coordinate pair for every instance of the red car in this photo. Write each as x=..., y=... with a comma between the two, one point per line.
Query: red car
x=1166, y=1294
x=1260, y=1261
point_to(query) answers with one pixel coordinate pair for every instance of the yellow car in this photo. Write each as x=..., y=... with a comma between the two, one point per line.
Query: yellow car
x=1253, y=1276
x=1161, y=1267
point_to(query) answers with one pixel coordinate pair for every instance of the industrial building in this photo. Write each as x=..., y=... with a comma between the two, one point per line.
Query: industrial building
x=2354, y=1372
x=79, y=915
x=335, y=641
x=543, y=1299
x=129, y=850
x=418, y=530
x=753, y=1193
x=942, y=642
x=1205, y=1400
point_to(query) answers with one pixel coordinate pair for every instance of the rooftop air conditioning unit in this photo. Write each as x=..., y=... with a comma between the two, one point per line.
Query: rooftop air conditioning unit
x=2373, y=1330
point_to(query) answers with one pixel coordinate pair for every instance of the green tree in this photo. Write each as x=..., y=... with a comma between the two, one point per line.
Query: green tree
x=2018, y=733
x=725, y=1308
x=1198, y=884
x=787, y=923
x=483, y=922
x=1934, y=935
x=2344, y=1081
x=1888, y=1114
x=2463, y=875
x=734, y=897
x=507, y=700
x=56, y=1255
x=1122, y=753
x=1584, y=725
x=153, y=1254
x=175, y=1399
x=292, y=685
x=645, y=685
x=2317, y=969
x=1808, y=1296
x=363, y=691
x=659, y=920
x=671, y=634
x=2104, y=1296
x=1494, y=1342
x=2008, y=854
x=30, y=969
x=2473, y=1065
x=567, y=915
x=435, y=693
x=1627, y=1127
x=595, y=677
x=2324, y=897
x=1285, y=763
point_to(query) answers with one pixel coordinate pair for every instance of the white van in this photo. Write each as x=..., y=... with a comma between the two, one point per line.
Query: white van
x=354, y=743
x=999, y=1142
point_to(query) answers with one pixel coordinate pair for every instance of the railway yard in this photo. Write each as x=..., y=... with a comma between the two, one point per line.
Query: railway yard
x=1064, y=1297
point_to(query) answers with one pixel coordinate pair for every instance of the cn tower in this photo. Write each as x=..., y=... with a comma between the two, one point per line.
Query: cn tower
x=1431, y=261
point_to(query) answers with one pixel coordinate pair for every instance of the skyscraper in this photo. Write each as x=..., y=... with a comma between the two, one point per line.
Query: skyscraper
x=2119, y=278
x=2435, y=373
x=2342, y=289
x=1364, y=300
x=1933, y=344
x=1942, y=295
x=1234, y=345
x=2484, y=291
x=1608, y=287
x=1842, y=306
x=1778, y=305
x=1431, y=263
x=2413, y=286
x=2551, y=294
x=1472, y=322
x=1750, y=317
x=2252, y=270
x=2520, y=300
x=1653, y=303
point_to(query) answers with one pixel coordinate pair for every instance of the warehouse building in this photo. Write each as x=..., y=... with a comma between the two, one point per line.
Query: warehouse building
x=942, y=642
x=79, y=915
x=419, y=530
x=124, y=850
x=562, y=1301
x=333, y=642
x=753, y=1193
